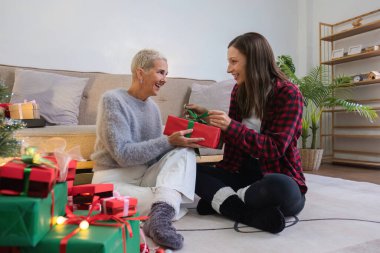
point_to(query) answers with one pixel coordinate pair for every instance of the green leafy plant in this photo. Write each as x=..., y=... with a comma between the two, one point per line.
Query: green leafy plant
x=5, y=93
x=321, y=93
x=9, y=146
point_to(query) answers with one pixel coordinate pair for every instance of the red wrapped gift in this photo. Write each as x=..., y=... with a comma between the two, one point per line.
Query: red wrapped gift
x=65, y=174
x=210, y=133
x=83, y=194
x=120, y=206
x=16, y=178
x=71, y=169
x=71, y=175
x=5, y=106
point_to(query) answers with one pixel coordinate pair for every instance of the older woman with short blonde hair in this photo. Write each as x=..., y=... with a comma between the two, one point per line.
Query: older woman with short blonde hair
x=132, y=153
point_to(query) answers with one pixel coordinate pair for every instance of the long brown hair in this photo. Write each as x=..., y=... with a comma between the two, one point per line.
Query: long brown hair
x=261, y=71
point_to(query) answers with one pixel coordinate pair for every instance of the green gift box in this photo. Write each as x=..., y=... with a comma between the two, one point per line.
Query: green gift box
x=24, y=221
x=100, y=239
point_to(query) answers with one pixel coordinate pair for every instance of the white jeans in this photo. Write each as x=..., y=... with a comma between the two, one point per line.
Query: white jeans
x=176, y=170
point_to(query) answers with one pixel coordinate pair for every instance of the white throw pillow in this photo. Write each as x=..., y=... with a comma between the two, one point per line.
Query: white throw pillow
x=58, y=96
x=213, y=97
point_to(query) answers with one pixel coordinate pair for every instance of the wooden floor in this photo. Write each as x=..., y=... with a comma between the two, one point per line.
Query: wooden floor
x=371, y=175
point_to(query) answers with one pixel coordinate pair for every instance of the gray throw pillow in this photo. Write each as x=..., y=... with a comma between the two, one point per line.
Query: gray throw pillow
x=58, y=96
x=213, y=97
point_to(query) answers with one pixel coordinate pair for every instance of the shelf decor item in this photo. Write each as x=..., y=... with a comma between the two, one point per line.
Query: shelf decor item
x=374, y=75
x=371, y=48
x=355, y=50
x=337, y=53
x=357, y=78
x=357, y=22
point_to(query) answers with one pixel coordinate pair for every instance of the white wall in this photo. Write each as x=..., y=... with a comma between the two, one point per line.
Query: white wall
x=99, y=35
x=334, y=11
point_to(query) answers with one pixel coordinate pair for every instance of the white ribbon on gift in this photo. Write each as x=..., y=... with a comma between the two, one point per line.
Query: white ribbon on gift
x=20, y=114
x=122, y=198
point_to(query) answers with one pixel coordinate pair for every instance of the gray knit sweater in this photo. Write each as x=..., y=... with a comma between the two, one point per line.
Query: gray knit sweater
x=129, y=132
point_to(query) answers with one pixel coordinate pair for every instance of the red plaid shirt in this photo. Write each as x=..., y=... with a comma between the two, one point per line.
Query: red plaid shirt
x=276, y=144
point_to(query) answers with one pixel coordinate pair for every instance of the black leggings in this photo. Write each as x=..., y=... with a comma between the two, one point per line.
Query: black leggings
x=270, y=190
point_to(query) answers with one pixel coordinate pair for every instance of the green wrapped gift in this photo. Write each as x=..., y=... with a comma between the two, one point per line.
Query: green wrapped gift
x=100, y=239
x=24, y=221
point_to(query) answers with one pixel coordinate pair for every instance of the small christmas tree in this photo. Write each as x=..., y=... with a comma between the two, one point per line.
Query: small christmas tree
x=5, y=94
x=9, y=146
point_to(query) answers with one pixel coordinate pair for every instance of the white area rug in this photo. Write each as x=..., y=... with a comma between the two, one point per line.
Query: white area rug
x=339, y=216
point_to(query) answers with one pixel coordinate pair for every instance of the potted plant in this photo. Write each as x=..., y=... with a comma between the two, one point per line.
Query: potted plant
x=319, y=94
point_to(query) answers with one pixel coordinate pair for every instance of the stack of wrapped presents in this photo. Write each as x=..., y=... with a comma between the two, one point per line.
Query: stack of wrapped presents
x=42, y=211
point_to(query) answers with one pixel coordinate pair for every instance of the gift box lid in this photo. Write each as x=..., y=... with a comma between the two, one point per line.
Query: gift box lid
x=24, y=106
x=126, y=206
x=27, y=110
x=15, y=170
x=91, y=188
x=119, y=202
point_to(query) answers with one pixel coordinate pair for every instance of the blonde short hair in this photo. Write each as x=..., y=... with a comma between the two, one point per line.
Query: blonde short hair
x=144, y=59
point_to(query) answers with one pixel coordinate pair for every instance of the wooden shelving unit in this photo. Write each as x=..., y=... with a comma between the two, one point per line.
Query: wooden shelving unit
x=335, y=135
x=350, y=58
x=352, y=32
x=366, y=82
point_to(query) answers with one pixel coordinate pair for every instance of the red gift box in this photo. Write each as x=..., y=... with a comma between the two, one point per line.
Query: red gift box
x=83, y=194
x=16, y=179
x=119, y=206
x=6, y=109
x=71, y=168
x=211, y=134
x=71, y=171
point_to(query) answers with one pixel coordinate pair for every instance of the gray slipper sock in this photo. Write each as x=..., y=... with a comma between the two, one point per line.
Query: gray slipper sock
x=159, y=226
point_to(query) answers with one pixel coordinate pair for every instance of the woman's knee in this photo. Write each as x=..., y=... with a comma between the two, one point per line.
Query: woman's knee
x=273, y=189
x=280, y=184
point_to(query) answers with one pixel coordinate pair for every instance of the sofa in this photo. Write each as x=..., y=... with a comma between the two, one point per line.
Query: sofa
x=171, y=98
